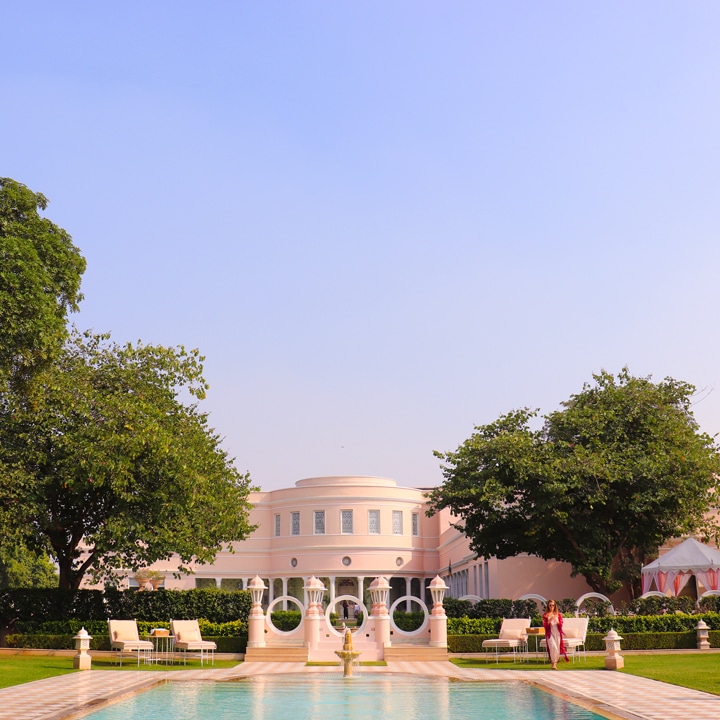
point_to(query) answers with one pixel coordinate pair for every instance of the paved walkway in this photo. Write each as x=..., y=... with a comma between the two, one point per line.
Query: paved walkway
x=612, y=694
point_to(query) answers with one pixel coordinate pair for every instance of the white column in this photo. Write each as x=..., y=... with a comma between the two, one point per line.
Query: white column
x=331, y=580
x=360, y=581
x=284, y=592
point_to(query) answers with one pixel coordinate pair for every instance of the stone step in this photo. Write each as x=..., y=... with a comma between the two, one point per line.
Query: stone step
x=277, y=654
x=415, y=653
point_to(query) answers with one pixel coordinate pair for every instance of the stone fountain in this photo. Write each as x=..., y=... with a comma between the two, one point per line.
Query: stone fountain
x=347, y=654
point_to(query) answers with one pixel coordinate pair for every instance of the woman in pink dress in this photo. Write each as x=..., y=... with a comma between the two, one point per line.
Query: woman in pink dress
x=553, y=622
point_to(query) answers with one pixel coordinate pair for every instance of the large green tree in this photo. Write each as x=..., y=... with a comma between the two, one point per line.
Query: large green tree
x=605, y=480
x=20, y=568
x=40, y=271
x=110, y=463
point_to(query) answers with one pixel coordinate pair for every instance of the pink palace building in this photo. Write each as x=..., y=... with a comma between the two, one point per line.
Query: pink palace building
x=349, y=530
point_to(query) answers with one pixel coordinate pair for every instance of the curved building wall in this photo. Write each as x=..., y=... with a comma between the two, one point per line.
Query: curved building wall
x=348, y=530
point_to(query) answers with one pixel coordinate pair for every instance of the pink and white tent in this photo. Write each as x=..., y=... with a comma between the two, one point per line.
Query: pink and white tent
x=671, y=571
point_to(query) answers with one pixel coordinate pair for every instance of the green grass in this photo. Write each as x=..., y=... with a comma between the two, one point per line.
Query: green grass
x=17, y=669
x=699, y=671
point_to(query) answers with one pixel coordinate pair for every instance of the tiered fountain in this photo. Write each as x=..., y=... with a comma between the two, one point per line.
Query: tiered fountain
x=347, y=654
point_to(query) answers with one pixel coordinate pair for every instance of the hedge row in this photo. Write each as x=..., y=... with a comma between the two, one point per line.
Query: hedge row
x=623, y=624
x=225, y=644
x=630, y=641
x=100, y=627
x=42, y=605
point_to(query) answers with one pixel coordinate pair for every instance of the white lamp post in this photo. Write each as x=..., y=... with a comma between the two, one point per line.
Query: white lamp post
x=82, y=660
x=613, y=660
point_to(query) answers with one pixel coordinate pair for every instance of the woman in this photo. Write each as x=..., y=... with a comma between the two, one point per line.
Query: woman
x=553, y=622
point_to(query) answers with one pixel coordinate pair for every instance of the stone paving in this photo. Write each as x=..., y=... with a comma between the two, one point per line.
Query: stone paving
x=613, y=694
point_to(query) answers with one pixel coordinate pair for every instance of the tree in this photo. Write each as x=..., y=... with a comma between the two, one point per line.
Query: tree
x=20, y=568
x=106, y=467
x=40, y=271
x=606, y=480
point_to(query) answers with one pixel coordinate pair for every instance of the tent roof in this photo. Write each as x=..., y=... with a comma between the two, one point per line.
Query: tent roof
x=689, y=555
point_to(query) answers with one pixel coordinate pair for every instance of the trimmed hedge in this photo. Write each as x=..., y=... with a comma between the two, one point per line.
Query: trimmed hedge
x=47, y=604
x=225, y=644
x=594, y=641
x=622, y=624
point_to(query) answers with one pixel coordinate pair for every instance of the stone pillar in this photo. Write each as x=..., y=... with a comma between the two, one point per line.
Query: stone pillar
x=703, y=642
x=408, y=591
x=360, y=582
x=332, y=580
x=256, y=618
x=438, y=619
x=613, y=660
x=284, y=592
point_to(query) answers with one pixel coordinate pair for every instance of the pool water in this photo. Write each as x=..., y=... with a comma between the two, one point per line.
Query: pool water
x=329, y=697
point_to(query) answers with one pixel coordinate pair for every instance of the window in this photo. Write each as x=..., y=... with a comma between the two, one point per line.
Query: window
x=346, y=522
x=415, y=524
x=319, y=522
x=277, y=526
x=397, y=522
x=374, y=522
x=295, y=523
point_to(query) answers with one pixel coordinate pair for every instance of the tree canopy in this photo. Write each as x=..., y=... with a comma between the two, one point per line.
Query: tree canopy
x=106, y=467
x=605, y=480
x=40, y=271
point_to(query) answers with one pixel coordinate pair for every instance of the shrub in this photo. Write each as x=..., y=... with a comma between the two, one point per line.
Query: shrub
x=710, y=603
x=286, y=620
x=455, y=608
x=51, y=604
x=408, y=622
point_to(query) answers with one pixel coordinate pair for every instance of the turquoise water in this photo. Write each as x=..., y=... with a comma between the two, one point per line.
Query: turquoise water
x=329, y=697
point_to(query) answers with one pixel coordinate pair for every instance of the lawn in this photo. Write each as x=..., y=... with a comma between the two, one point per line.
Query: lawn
x=699, y=671
x=17, y=669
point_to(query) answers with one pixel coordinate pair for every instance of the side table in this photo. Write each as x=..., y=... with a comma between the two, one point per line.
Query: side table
x=164, y=648
x=538, y=633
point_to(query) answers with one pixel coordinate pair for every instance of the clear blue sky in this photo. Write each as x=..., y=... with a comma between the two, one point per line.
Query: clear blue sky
x=382, y=222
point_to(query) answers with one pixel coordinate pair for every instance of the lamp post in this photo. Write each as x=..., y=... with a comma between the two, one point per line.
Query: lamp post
x=380, y=595
x=613, y=660
x=314, y=592
x=256, y=618
x=82, y=660
x=703, y=642
x=438, y=619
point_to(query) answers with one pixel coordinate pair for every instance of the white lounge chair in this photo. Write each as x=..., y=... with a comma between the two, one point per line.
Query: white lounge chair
x=188, y=639
x=513, y=635
x=574, y=634
x=124, y=637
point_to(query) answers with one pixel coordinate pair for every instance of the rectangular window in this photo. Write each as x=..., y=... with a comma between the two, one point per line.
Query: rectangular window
x=415, y=524
x=277, y=526
x=295, y=523
x=346, y=522
x=397, y=522
x=319, y=522
x=374, y=522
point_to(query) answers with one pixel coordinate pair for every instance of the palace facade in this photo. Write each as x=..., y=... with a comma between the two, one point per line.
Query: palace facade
x=349, y=530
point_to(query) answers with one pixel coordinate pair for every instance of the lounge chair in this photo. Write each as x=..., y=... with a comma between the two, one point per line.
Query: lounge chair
x=188, y=638
x=574, y=634
x=124, y=636
x=513, y=635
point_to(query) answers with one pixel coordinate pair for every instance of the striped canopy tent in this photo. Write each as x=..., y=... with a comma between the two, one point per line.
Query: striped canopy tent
x=671, y=572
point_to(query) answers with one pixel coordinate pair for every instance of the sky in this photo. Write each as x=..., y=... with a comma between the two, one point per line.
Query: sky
x=382, y=222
